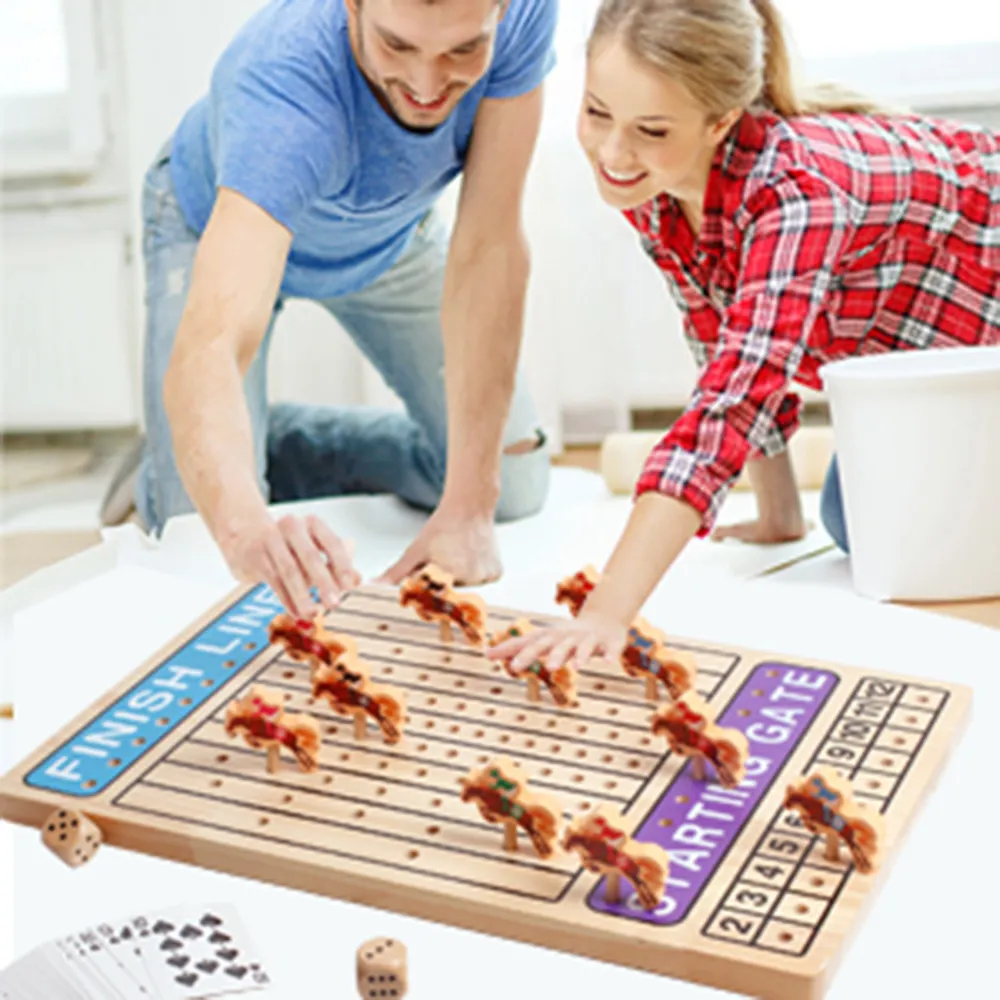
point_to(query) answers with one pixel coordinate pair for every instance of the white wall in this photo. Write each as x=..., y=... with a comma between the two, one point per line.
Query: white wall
x=170, y=49
x=602, y=335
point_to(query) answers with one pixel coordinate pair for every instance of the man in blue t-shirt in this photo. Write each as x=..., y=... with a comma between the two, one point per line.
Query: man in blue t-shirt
x=310, y=170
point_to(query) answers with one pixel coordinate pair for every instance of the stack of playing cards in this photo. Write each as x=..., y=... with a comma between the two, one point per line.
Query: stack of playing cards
x=179, y=954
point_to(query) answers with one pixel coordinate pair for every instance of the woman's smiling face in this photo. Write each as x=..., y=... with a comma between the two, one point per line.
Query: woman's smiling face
x=643, y=133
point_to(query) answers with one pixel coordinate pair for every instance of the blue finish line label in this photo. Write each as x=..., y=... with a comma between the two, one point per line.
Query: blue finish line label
x=151, y=710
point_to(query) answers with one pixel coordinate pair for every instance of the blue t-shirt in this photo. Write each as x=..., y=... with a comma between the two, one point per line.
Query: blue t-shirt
x=291, y=124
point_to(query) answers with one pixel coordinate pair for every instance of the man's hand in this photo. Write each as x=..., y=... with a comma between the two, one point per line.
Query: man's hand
x=292, y=555
x=760, y=532
x=464, y=546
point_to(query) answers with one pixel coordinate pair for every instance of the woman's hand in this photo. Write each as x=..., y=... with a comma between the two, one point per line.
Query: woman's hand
x=761, y=532
x=573, y=642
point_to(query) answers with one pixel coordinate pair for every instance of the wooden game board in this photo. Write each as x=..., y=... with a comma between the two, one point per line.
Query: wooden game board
x=751, y=905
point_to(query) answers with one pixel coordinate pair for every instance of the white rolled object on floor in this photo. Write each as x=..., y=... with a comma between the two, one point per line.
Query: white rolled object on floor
x=624, y=455
x=918, y=444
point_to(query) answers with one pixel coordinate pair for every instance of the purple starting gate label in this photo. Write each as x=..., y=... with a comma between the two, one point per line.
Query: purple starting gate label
x=697, y=822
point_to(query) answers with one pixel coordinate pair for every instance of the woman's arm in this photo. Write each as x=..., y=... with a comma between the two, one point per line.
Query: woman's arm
x=657, y=530
x=779, y=506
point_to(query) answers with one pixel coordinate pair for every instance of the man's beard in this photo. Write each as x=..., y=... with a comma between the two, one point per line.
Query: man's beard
x=382, y=95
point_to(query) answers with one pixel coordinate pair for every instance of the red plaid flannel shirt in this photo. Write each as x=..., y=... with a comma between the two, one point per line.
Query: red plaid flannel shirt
x=823, y=237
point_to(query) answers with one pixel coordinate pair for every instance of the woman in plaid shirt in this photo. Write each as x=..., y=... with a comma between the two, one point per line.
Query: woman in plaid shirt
x=791, y=232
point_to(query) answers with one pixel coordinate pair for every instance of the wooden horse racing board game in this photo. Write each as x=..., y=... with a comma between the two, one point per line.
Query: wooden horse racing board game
x=751, y=904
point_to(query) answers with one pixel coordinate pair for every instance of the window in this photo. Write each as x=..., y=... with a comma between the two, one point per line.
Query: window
x=51, y=120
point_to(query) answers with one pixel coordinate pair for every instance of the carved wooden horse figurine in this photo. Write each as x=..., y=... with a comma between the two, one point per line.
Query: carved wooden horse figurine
x=261, y=719
x=600, y=839
x=561, y=683
x=827, y=807
x=688, y=728
x=431, y=594
x=500, y=791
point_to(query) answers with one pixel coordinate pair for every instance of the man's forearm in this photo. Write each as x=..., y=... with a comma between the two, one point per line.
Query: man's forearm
x=483, y=321
x=213, y=439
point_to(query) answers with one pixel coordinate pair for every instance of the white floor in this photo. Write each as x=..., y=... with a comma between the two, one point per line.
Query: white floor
x=70, y=504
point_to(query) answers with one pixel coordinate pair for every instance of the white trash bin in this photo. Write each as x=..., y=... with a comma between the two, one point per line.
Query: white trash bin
x=917, y=436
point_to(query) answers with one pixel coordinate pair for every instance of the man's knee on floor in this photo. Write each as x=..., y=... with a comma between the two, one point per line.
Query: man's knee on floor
x=524, y=478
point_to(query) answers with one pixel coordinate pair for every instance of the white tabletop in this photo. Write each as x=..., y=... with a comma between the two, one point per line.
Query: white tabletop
x=928, y=934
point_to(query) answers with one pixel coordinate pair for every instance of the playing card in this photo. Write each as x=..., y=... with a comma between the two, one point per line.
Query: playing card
x=120, y=941
x=41, y=975
x=200, y=953
x=93, y=960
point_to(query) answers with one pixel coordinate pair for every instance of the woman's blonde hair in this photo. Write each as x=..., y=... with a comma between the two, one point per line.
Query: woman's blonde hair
x=728, y=53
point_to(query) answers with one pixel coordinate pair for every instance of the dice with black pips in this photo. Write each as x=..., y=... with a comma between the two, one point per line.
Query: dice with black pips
x=71, y=836
x=382, y=969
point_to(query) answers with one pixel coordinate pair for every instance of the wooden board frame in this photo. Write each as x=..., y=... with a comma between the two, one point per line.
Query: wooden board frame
x=754, y=906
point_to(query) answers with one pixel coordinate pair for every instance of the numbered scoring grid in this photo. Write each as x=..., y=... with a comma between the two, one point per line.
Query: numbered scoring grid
x=399, y=805
x=786, y=889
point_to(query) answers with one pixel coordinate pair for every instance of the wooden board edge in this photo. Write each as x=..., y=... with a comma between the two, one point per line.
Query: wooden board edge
x=15, y=776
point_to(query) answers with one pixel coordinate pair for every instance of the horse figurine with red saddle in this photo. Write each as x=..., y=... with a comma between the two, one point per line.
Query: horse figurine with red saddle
x=574, y=590
x=345, y=686
x=261, y=720
x=431, y=594
x=600, y=839
x=310, y=641
x=689, y=730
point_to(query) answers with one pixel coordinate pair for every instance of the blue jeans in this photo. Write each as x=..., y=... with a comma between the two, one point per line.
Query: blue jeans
x=831, y=507
x=303, y=452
